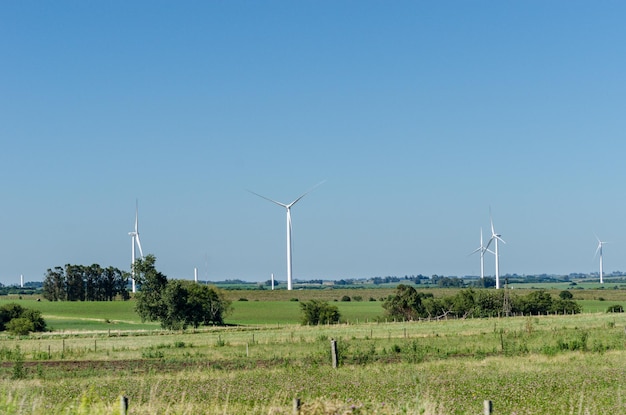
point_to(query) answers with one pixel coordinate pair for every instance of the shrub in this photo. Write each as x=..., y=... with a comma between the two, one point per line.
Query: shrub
x=616, y=308
x=566, y=295
x=345, y=298
x=28, y=319
x=20, y=326
x=319, y=312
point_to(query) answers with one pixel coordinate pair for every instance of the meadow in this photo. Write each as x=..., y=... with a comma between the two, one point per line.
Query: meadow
x=264, y=359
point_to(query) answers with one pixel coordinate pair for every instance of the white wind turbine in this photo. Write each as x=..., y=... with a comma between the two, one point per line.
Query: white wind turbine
x=599, y=250
x=495, y=237
x=134, y=238
x=288, y=207
x=482, y=249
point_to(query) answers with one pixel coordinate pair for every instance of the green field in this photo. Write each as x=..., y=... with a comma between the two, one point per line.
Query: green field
x=264, y=359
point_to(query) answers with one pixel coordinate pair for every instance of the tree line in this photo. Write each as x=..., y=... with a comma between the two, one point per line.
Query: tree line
x=85, y=283
x=410, y=304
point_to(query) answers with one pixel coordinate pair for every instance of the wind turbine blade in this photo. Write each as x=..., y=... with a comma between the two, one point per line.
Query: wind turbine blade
x=305, y=193
x=139, y=245
x=489, y=243
x=500, y=239
x=268, y=199
x=136, y=216
x=598, y=249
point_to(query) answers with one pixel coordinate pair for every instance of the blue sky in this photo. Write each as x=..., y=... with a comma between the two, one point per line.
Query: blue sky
x=420, y=116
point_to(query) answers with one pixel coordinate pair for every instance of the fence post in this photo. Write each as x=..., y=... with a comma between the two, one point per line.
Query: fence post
x=333, y=352
x=296, y=406
x=488, y=407
x=123, y=405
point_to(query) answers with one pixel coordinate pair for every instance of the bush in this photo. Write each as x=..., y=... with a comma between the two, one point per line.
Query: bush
x=319, y=312
x=566, y=295
x=20, y=326
x=616, y=308
x=28, y=319
x=345, y=298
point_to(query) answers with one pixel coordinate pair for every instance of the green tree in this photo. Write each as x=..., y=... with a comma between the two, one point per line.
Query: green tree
x=20, y=326
x=407, y=303
x=152, y=283
x=15, y=318
x=536, y=302
x=54, y=285
x=316, y=312
x=176, y=304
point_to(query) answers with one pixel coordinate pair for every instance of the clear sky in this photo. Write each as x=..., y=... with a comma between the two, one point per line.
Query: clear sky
x=420, y=116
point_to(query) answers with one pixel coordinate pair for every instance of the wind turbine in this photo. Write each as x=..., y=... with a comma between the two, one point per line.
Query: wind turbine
x=288, y=207
x=495, y=237
x=134, y=239
x=482, y=249
x=599, y=250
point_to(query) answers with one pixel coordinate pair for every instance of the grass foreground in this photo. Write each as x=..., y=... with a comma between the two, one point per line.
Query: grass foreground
x=262, y=361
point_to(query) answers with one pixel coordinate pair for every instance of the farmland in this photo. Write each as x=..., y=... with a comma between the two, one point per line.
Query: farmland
x=264, y=359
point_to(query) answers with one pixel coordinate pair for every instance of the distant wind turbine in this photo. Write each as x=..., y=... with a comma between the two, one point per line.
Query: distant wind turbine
x=495, y=237
x=134, y=238
x=599, y=250
x=482, y=249
x=288, y=207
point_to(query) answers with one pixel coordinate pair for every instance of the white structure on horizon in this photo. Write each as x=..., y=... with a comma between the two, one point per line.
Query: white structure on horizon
x=599, y=250
x=288, y=208
x=495, y=237
x=21, y=280
x=272, y=281
x=195, y=275
x=482, y=249
x=135, y=242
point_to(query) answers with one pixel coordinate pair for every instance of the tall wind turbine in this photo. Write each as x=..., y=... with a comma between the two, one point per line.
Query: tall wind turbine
x=288, y=207
x=599, y=250
x=482, y=249
x=495, y=237
x=134, y=239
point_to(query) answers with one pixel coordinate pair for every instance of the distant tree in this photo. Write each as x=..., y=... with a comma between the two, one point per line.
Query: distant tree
x=316, y=312
x=152, y=283
x=20, y=320
x=54, y=285
x=176, y=304
x=84, y=283
x=566, y=295
x=407, y=303
x=561, y=306
x=536, y=302
x=616, y=308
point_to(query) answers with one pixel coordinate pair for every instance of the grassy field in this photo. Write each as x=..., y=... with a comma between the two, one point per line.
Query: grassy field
x=264, y=359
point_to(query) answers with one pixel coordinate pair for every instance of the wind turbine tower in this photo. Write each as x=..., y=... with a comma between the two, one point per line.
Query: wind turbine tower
x=482, y=249
x=599, y=250
x=495, y=237
x=134, y=239
x=288, y=207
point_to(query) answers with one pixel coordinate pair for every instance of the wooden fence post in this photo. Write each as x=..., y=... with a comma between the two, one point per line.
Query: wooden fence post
x=123, y=405
x=333, y=352
x=488, y=407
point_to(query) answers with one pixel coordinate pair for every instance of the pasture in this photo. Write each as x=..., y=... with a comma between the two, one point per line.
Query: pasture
x=264, y=359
